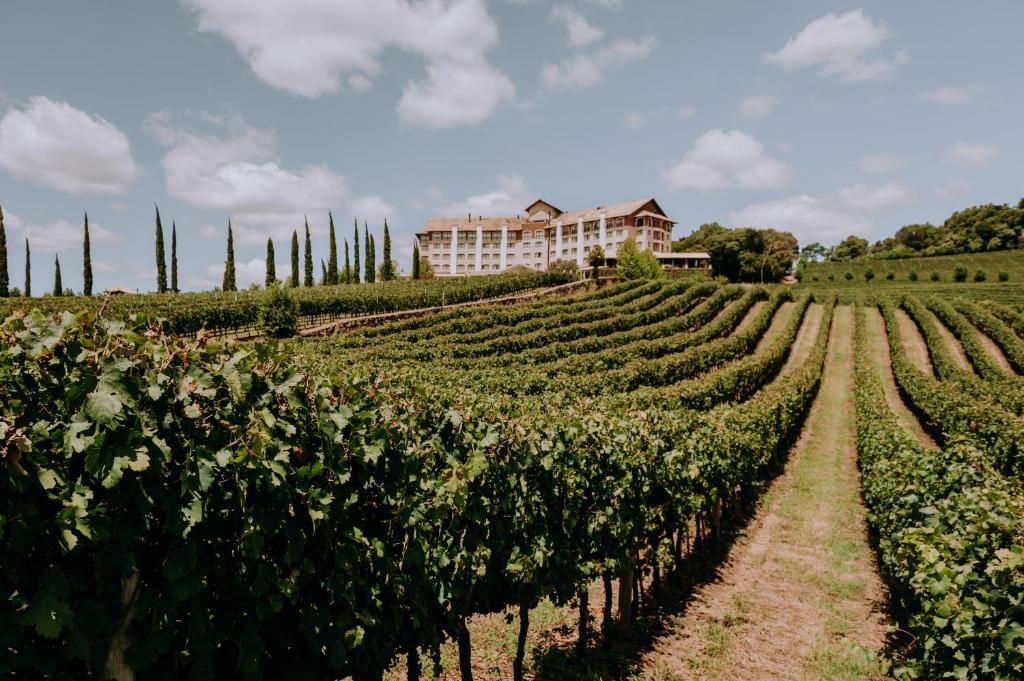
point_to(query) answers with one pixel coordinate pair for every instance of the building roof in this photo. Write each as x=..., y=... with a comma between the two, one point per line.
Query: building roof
x=545, y=203
x=613, y=210
x=652, y=214
x=465, y=222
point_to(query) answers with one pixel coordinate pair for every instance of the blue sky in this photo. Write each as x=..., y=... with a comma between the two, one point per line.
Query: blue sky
x=817, y=117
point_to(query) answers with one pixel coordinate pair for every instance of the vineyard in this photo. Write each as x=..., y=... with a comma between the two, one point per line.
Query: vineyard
x=390, y=500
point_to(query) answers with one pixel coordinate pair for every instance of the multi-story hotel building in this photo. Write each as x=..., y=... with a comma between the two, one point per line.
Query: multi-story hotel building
x=546, y=234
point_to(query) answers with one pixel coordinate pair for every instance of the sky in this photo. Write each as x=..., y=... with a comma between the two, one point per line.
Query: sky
x=820, y=118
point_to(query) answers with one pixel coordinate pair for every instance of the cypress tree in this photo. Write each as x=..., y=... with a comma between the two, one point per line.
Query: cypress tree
x=387, y=268
x=355, y=252
x=28, y=270
x=373, y=259
x=307, y=263
x=323, y=272
x=229, y=264
x=348, y=266
x=58, y=288
x=368, y=259
x=5, y=284
x=161, y=264
x=271, y=265
x=332, y=253
x=86, y=261
x=415, y=259
x=295, y=259
x=174, y=257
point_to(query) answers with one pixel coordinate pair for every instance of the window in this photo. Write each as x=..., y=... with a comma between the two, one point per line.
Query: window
x=639, y=222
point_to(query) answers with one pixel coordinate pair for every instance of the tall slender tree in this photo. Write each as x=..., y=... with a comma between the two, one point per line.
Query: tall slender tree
x=161, y=264
x=368, y=259
x=373, y=259
x=415, y=259
x=387, y=267
x=174, y=257
x=294, y=281
x=229, y=264
x=5, y=284
x=307, y=263
x=355, y=252
x=86, y=261
x=271, y=268
x=28, y=270
x=58, y=287
x=332, y=253
x=347, y=276
x=323, y=272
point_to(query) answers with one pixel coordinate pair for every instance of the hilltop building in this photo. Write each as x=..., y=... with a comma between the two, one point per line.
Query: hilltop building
x=547, y=234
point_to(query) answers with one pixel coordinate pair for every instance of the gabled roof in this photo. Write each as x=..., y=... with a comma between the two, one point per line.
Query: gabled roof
x=652, y=214
x=533, y=205
x=614, y=210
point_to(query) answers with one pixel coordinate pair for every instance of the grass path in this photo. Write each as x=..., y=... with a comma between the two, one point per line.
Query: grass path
x=799, y=597
x=878, y=351
x=956, y=351
x=913, y=343
x=994, y=351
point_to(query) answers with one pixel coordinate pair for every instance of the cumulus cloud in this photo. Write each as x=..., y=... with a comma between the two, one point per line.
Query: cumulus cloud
x=510, y=198
x=949, y=95
x=311, y=48
x=56, y=236
x=58, y=146
x=841, y=45
x=584, y=71
x=824, y=218
x=882, y=163
x=235, y=170
x=246, y=273
x=580, y=31
x=758, y=106
x=373, y=209
x=720, y=159
x=972, y=155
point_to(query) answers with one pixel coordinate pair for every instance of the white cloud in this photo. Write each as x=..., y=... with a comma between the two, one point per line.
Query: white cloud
x=56, y=236
x=720, y=159
x=587, y=70
x=841, y=45
x=949, y=95
x=246, y=273
x=634, y=120
x=58, y=146
x=580, y=31
x=607, y=4
x=238, y=172
x=758, y=106
x=973, y=155
x=882, y=163
x=372, y=209
x=310, y=47
x=952, y=189
x=510, y=198
x=829, y=218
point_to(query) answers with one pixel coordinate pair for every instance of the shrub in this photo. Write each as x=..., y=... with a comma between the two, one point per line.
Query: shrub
x=890, y=275
x=849, y=276
x=980, y=275
x=1004, y=276
x=936, y=276
x=912, y=276
x=632, y=263
x=831, y=277
x=279, y=314
x=564, y=267
x=869, y=274
x=814, y=278
x=960, y=273
x=799, y=275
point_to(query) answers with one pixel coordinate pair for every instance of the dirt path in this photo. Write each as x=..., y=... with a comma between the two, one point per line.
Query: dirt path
x=805, y=337
x=779, y=321
x=956, y=351
x=994, y=351
x=749, y=317
x=913, y=343
x=797, y=599
x=878, y=351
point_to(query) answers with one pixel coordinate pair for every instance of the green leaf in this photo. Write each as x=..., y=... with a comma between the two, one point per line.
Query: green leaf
x=103, y=407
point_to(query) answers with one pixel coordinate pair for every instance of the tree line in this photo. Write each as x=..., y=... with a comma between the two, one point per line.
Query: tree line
x=331, y=272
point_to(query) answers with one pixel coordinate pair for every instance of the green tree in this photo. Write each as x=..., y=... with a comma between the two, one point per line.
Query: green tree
x=415, y=259
x=86, y=261
x=4, y=281
x=229, y=264
x=347, y=276
x=28, y=270
x=373, y=259
x=323, y=272
x=271, y=267
x=355, y=252
x=58, y=287
x=850, y=248
x=596, y=260
x=426, y=269
x=332, y=253
x=161, y=264
x=307, y=263
x=294, y=281
x=813, y=252
x=632, y=263
x=367, y=262
x=388, y=271
x=174, y=257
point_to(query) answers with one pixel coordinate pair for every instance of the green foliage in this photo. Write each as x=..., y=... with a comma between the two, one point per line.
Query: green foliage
x=279, y=313
x=388, y=267
x=960, y=273
x=889, y=276
x=633, y=263
x=28, y=269
x=161, y=263
x=4, y=281
x=347, y=274
x=270, y=268
x=935, y=276
x=850, y=248
x=745, y=253
x=229, y=283
x=86, y=261
x=58, y=287
x=356, y=272
x=1004, y=275
x=980, y=275
x=307, y=260
x=174, y=257
x=848, y=276
x=869, y=274
x=332, y=253
x=416, y=259
x=427, y=270
x=293, y=280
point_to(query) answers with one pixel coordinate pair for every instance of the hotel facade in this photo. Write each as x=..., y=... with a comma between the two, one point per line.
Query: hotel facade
x=545, y=234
